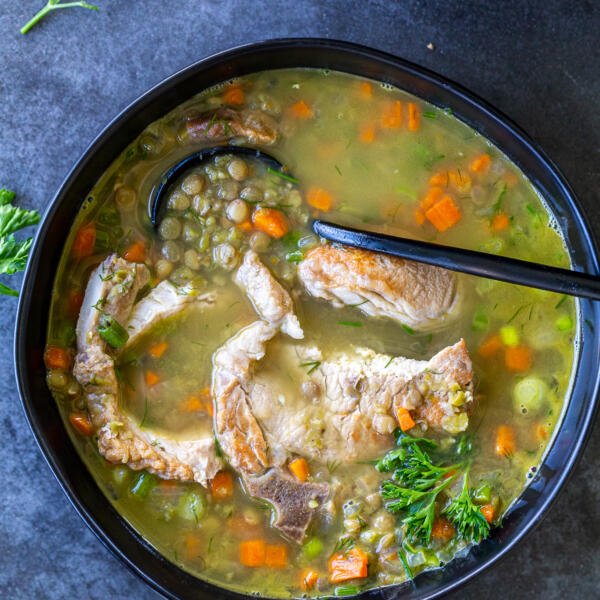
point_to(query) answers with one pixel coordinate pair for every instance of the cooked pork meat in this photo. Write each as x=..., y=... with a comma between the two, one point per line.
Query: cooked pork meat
x=292, y=501
x=239, y=435
x=162, y=302
x=270, y=300
x=345, y=410
x=112, y=290
x=223, y=124
x=417, y=295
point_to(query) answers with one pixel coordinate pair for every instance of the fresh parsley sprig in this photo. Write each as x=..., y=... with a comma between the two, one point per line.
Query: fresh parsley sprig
x=467, y=516
x=13, y=253
x=53, y=5
x=417, y=481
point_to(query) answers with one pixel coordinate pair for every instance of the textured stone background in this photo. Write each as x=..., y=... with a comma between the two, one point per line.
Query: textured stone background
x=60, y=84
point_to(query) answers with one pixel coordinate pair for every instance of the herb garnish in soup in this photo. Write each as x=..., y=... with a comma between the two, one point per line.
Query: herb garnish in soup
x=282, y=416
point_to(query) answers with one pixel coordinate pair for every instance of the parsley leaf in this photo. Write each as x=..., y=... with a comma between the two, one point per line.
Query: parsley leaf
x=13, y=252
x=54, y=5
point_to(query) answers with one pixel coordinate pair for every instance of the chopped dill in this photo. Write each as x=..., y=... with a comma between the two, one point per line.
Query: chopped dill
x=312, y=365
x=350, y=323
x=143, y=421
x=430, y=114
x=282, y=175
x=343, y=545
x=561, y=301
x=407, y=329
x=389, y=362
x=332, y=465
x=516, y=313
x=358, y=304
x=338, y=170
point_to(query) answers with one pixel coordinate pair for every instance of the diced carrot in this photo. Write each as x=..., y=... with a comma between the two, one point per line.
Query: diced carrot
x=442, y=530
x=441, y=179
x=419, y=216
x=414, y=116
x=270, y=221
x=234, y=95
x=84, y=242
x=192, y=546
x=541, y=433
x=480, y=163
x=405, y=420
x=319, y=198
x=245, y=226
x=81, y=423
x=74, y=302
x=276, y=556
x=500, y=222
x=299, y=468
x=490, y=346
x=431, y=197
x=158, y=349
x=353, y=565
x=488, y=511
x=518, y=358
x=367, y=133
x=308, y=579
x=221, y=486
x=253, y=553
x=459, y=180
x=505, y=441
x=365, y=90
x=192, y=404
x=152, y=378
x=57, y=358
x=136, y=252
x=444, y=214
x=392, y=115
x=301, y=110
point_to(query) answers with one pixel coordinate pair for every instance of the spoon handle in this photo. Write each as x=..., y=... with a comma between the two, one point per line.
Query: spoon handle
x=481, y=264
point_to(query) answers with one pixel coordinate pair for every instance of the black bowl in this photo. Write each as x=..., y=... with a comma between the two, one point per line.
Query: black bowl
x=31, y=324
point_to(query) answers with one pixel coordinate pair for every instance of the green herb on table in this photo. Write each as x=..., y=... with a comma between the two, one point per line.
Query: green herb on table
x=13, y=253
x=51, y=6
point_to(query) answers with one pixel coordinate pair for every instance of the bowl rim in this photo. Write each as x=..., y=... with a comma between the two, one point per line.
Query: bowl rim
x=138, y=550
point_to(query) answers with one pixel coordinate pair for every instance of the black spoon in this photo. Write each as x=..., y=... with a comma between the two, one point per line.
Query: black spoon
x=482, y=264
x=155, y=204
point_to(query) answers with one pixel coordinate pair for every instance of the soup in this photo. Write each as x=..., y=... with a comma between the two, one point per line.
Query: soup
x=280, y=416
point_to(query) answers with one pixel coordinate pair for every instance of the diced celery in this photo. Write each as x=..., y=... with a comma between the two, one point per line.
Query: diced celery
x=509, y=335
x=121, y=474
x=564, y=323
x=192, y=506
x=480, y=321
x=346, y=590
x=529, y=395
x=142, y=486
x=313, y=548
x=483, y=494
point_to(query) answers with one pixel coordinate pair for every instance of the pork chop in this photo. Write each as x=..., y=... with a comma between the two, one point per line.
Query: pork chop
x=420, y=296
x=223, y=124
x=162, y=302
x=112, y=290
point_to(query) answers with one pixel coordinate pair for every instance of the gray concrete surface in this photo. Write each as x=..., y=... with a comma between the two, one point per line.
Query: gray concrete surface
x=60, y=84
